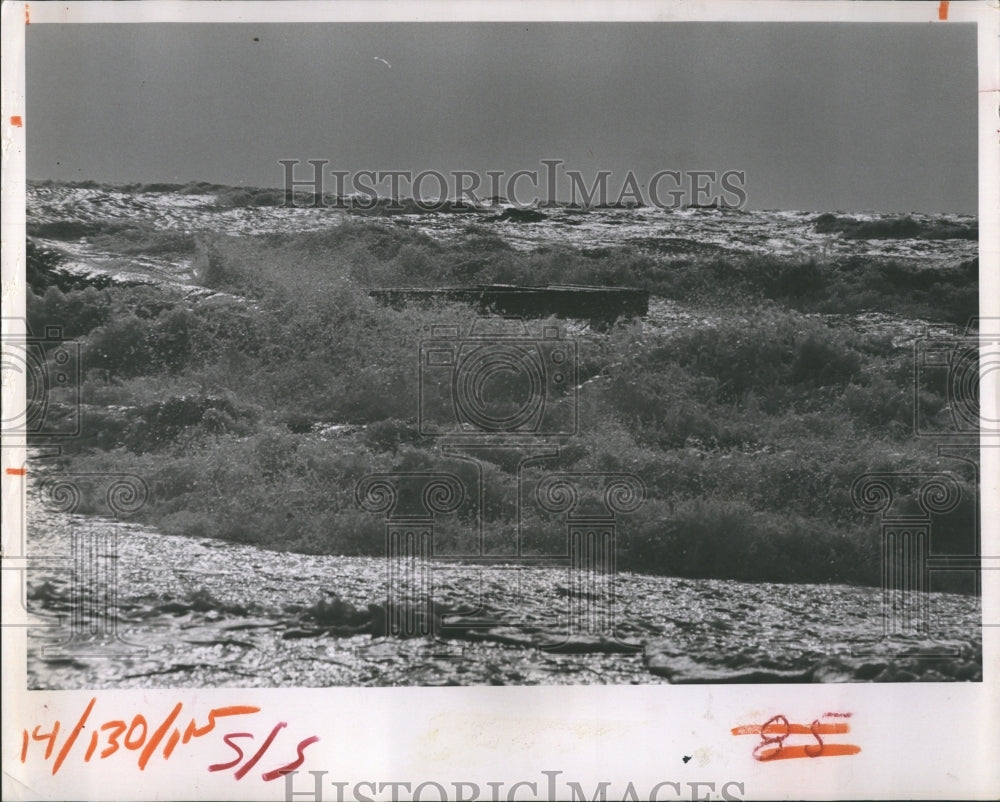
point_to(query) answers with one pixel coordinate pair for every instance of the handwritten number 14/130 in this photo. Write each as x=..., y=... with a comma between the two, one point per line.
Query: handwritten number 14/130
x=136, y=736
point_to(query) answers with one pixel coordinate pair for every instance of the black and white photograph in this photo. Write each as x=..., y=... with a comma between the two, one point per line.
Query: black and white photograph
x=487, y=353
x=393, y=353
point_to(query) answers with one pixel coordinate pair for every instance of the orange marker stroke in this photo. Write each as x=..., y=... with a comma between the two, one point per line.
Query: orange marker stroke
x=194, y=731
x=791, y=729
x=777, y=729
x=154, y=741
x=809, y=750
x=73, y=735
x=115, y=733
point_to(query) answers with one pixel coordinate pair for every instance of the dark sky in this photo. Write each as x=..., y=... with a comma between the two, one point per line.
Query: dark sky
x=820, y=116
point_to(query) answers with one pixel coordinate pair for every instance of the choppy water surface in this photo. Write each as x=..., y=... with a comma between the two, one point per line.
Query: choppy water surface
x=206, y=613
x=671, y=233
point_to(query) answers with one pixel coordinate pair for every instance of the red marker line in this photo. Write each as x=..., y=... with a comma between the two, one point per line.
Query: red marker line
x=811, y=750
x=241, y=773
x=17, y=121
x=154, y=742
x=943, y=10
x=274, y=775
x=172, y=741
x=73, y=736
x=92, y=748
x=194, y=731
x=791, y=729
x=16, y=471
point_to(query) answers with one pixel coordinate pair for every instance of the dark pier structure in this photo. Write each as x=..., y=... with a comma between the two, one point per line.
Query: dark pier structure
x=600, y=305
